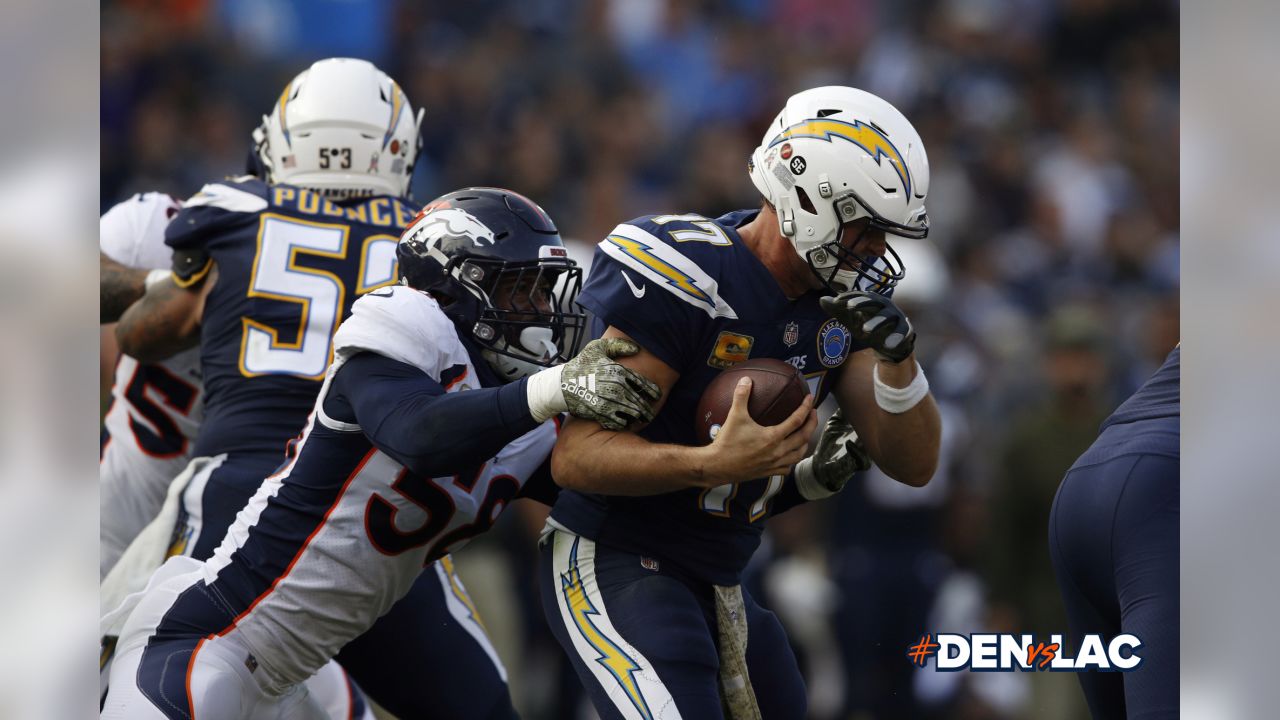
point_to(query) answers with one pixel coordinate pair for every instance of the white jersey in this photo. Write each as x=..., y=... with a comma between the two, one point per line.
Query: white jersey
x=155, y=409
x=338, y=535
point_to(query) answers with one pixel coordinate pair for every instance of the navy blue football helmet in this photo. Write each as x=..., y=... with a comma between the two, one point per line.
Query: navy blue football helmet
x=496, y=264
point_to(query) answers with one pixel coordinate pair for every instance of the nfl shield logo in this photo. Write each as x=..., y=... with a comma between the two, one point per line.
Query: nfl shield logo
x=791, y=335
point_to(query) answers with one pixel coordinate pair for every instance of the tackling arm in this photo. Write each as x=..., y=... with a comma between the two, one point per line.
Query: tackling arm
x=589, y=458
x=118, y=288
x=904, y=445
x=165, y=321
x=410, y=417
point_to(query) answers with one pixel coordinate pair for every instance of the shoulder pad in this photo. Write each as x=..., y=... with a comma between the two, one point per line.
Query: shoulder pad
x=673, y=259
x=242, y=195
x=403, y=324
x=132, y=231
x=217, y=207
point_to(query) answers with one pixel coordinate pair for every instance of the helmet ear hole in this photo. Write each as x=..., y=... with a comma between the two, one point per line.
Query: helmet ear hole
x=805, y=203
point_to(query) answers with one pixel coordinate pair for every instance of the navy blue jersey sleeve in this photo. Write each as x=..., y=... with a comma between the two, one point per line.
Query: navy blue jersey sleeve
x=788, y=497
x=540, y=486
x=657, y=294
x=410, y=417
x=209, y=214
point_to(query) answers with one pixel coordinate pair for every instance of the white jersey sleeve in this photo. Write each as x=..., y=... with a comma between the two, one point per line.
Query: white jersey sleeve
x=403, y=324
x=132, y=232
x=155, y=409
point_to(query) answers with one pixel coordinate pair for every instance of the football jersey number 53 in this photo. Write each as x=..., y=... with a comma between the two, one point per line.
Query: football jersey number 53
x=277, y=276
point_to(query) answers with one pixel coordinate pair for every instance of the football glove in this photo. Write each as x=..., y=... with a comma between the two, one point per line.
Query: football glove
x=838, y=456
x=597, y=388
x=874, y=321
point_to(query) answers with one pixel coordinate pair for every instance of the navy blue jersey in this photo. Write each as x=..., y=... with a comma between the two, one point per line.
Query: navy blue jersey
x=289, y=265
x=1157, y=398
x=691, y=292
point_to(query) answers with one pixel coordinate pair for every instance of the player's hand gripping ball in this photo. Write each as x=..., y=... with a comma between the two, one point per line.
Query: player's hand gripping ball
x=874, y=321
x=777, y=389
x=597, y=388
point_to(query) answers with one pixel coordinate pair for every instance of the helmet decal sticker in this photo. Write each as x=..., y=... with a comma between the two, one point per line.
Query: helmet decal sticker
x=397, y=104
x=284, y=121
x=864, y=136
x=452, y=221
x=781, y=173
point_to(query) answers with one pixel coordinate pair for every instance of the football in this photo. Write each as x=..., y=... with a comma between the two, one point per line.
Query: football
x=777, y=389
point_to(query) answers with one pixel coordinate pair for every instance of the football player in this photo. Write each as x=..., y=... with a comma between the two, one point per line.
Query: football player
x=154, y=414
x=155, y=409
x=397, y=466
x=265, y=267
x=1113, y=538
x=634, y=582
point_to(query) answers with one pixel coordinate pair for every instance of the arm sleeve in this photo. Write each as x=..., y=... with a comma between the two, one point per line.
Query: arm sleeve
x=410, y=417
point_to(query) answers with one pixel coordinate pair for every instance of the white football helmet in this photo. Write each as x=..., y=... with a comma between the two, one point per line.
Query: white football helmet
x=343, y=128
x=835, y=155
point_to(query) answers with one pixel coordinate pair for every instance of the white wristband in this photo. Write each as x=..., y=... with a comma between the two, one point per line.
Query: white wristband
x=543, y=394
x=155, y=277
x=899, y=400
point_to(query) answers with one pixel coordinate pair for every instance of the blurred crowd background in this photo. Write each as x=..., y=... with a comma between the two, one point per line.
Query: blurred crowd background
x=1046, y=292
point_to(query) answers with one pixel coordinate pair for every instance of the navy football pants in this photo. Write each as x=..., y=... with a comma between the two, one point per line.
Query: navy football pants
x=643, y=639
x=418, y=660
x=1113, y=537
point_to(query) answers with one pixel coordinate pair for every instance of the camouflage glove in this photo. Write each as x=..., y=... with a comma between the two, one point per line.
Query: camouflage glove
x=595, y=387
x=874, y=321
x=838, y=456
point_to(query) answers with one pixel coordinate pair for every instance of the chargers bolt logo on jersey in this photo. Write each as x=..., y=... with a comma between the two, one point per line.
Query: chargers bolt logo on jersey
x=675, y=277
x=731, y=349
x=833, y=343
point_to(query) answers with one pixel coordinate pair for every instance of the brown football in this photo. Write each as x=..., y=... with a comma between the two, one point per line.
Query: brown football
x=777, y=389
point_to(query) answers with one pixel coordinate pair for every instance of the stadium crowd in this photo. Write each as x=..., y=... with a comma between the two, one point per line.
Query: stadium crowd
x=1046, y=291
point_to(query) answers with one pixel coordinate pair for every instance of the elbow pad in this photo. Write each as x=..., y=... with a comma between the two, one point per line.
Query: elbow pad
x=190, y=266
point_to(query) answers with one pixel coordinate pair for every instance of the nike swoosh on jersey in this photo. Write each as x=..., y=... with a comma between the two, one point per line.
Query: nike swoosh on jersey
x=637, y=291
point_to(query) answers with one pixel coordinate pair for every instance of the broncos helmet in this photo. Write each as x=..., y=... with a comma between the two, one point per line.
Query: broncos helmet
x=495, y=262
x=836, y=159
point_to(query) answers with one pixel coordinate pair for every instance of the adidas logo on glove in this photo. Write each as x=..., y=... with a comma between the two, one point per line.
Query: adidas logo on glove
x=583, y=386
